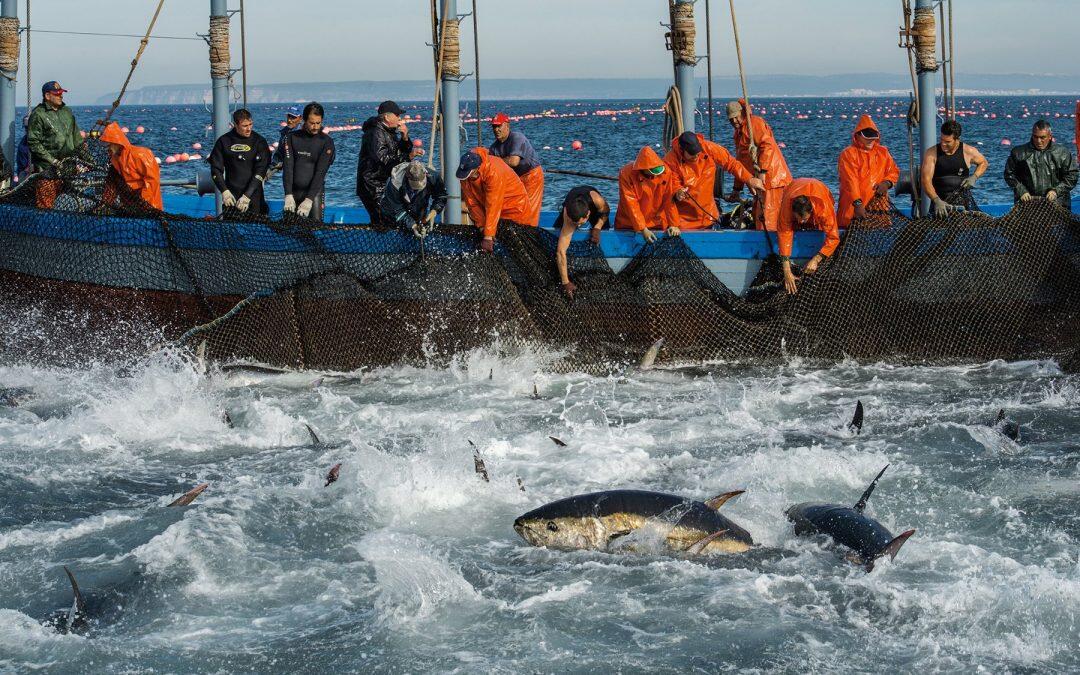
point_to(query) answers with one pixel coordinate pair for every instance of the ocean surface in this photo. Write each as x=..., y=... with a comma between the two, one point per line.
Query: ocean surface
x=409, y=562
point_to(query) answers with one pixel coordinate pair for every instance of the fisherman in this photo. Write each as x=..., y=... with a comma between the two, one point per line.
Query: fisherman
x=867, y=173
x=293, y=119
x=385, y=145
x=765, y=160
x=807, y=205
x=647, y=196
x=309, y=152
x=53, y=136
x=238, y=165
x=24, y=160
x=947, y=178
x=413, y=197
x=492, y=193
x=132, y=166
x=1042, y=168
x=583, y=204
x=694, y=160
x=518, y=152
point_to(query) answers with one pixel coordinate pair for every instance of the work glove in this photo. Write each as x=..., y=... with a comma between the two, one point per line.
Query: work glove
x=943, y=208
x=569, y=289
x=290, y=204
x=243, y=203
x=429, y=219
x=228, y=200
x=969, y=182
x=305, y=208
x=487, y=245
x=650, y=238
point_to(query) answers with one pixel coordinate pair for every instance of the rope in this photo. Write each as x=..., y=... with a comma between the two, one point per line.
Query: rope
x=745, y=92
x=673, y=124
x=907, y=44
x=243, y=50
x=438, y=81
x=708, y=56
x=944, y=60
x=134, y=64
x=29, y=86
x=9, y=46
x=127, y=35
x=476, y=58
x=451, y=55
x=952, y=67
x=924, y=30
x=683, y=32
x=582, y=174
x=219, y=47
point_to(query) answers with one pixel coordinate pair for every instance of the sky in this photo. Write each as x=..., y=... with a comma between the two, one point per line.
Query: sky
x=334, y=40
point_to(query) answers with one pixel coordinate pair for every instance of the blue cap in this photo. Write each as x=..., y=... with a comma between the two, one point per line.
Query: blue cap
x=52, y=87
x=294, y=111
x=470, y=162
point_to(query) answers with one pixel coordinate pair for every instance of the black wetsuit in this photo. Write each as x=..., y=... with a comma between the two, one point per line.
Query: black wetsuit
x=239, y=165
x=949, y=172
x=307, y=161
x=582, y=192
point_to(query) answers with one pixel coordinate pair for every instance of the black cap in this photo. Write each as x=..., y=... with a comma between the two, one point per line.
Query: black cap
x=390, y=107
x=470, y=162
x=689, y=143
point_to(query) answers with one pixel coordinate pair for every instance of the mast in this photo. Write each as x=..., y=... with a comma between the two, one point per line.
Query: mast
x=926, y=67
x=448, y=110
x=219, y=69
x=682, y=44
x=9, y=9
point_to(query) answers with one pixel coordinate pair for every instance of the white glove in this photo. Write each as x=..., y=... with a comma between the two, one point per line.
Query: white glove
x=305, y=208
x=290, y=204
x=227, y=199
x=243, y=203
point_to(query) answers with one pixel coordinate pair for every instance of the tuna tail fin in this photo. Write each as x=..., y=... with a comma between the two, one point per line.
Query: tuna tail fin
x=314, y=437
x=78, y=605
x=698, y=546
x=861, y=504
x=894, y=546
x=856, y=422
x=557, y=441
x=719, y=500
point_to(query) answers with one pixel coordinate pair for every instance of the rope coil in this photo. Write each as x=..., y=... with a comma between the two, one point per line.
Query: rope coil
x=9, y=44
x=683, y=32
x=451, y=58
x=219, y=47
x=924, y=30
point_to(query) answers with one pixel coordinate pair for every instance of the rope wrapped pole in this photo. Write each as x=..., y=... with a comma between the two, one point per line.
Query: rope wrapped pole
x=681, y=43
x=219, y=69
x=450, y=77
x=9, y=68
x=924, y=33
x=476, y=74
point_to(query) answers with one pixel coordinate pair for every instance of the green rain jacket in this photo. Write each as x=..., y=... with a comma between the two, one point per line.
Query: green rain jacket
x=1039, y=171
x=52, y=135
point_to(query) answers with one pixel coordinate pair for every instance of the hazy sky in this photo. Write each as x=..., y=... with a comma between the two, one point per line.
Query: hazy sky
x=385, y=39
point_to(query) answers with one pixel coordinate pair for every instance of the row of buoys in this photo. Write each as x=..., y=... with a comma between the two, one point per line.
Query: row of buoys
x=182, y=157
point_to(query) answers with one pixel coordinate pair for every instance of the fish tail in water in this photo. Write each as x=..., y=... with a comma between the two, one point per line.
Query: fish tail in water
x=190, y=495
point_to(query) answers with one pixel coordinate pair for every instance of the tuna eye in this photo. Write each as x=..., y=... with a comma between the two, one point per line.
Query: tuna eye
x=552, y=526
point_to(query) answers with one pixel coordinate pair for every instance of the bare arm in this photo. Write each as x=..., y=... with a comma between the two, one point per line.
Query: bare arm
x=601, y=206
x=565, y=234
x=976, y=159
x=929, y=163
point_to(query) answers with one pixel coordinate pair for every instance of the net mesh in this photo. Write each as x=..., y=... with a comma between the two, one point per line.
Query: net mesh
x=100, y=270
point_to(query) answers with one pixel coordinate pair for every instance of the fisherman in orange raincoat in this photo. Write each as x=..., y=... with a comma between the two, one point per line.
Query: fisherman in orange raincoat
x=867, y=173
x=492, y=192
x=516, y=150
x=769, y=160
x=132, y=165
x=647, y=196
x=694, y=160
x=807, y=205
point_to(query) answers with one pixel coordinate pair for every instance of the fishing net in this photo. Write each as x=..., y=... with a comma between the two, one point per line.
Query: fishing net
x=101, y=271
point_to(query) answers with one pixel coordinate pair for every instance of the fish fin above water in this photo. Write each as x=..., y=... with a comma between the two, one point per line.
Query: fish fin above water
x=894, y=546
x=332, y=476
x=861, y=504
x=521, y=484
x=536, y=391
x=557, y=442
x=314, y=437
x=857, y=420
x=189, y=496
x=78, y=605
x=1000, y=417
x=698, y=546
x=649, y=358
x=227, y=419
x=478, y=463
x=719, y=500
x=200, y=358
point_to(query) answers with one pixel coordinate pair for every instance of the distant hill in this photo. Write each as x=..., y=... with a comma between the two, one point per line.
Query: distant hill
x=859, y=84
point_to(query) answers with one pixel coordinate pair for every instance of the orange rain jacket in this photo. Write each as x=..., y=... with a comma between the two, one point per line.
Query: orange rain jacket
x=823, y=218
x=497, y=194
x=770, y=159
x=135, y=166
x=646, y=200
x=699, y=179
x=861, y=169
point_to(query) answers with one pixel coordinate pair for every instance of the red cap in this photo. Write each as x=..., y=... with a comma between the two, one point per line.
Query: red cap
x=501, y=118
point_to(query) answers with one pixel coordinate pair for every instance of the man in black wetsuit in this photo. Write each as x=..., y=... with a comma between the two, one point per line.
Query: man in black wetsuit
x=385, y=145
x=947, y=176
x=309, y=152
x=292, y=123
x=238, y=165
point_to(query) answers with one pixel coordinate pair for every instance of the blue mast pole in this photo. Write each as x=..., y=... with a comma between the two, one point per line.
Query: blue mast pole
x=220, y=83
x=451, y=139
x=9, y=9
x=927, y=93
x=684, y=81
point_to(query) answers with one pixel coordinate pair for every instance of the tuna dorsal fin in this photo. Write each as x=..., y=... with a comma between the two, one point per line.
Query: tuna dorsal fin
x=856, y=421
x=78, y=605
x=190, y=495
x=698, y=546
x=861, y=504
x=719, y=500
x=1000, y=416
x=478, y=463
x=557, y=441
x=894, y=546
x=314, y=437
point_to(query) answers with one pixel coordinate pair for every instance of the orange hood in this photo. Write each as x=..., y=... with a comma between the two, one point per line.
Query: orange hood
x=647, y=159
x=865, y=122
x=113, y=134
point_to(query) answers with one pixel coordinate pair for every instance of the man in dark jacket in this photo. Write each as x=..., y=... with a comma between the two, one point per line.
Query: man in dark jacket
x=1042, y=168
x=385, y=145
x=414, y=196
x=238, y=165
x=53, y=136
x=293, y=120
x=309, y=152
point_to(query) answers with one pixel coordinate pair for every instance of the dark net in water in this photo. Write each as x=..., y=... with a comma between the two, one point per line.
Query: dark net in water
x=98, y=275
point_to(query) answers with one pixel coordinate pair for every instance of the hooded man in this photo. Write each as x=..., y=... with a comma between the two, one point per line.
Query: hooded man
x=492, y=193
x=647, y=196
x=385, y=145
x=807, y=205
x=133, y=166
x=516, y=150
x=1042, y=168
x=309, y=154
x=867, y=173
x=238, y=165
x=765, y=160
x=52, y=135
x=694, y=160
x=414, y=196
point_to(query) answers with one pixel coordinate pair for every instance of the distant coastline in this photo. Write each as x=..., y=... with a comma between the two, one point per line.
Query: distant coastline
x=769, y=86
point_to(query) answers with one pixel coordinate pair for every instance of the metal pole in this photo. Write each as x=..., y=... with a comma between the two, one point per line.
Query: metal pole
x=451, y=139
x=220, y=89
x=9, y=9
x=927, y=107
x=684, y=81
